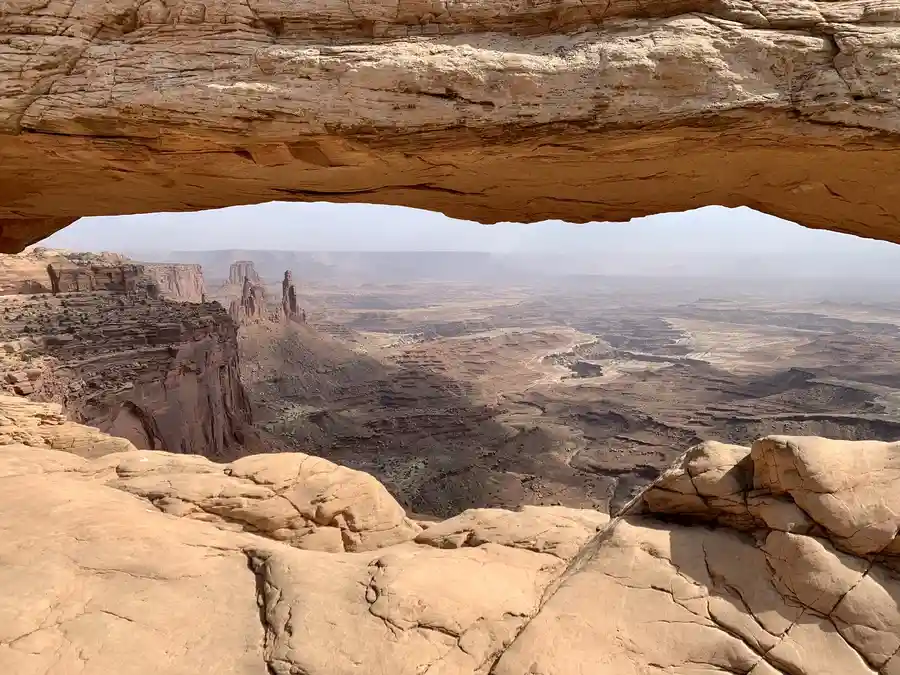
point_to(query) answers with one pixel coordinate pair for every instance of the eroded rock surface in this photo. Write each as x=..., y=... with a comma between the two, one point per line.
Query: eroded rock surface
x=179, y=282
x=252, y=306
x=242, y=270
x=45, y=270
x=163, y=375
x=290, y=310
x=486, y=111
x=136, y=545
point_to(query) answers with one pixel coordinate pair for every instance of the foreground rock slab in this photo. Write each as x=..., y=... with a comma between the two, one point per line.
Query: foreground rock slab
x=123, y=107
x=737, y=560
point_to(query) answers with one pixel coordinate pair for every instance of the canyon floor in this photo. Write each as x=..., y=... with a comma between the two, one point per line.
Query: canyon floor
x=572, y=392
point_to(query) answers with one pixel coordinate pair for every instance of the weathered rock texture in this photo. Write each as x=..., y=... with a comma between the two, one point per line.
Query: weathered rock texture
x=27, y=272
x=164, y=375
x=123, y=278
x=241, y=271
x=799, y=577
x=252, y=306
x=174, y=281
x=43, y=270
x=290, y=310
x=577, y=109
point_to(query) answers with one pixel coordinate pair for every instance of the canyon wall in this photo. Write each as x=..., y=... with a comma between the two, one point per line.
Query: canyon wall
x=162, y=374
x=122, y=278
x=26, y=272
x=182, y=282
x=45, y=270
x=240, y=270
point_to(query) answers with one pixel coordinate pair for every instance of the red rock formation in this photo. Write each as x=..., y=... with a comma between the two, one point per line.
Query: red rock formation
x=112, y=278
x=289, y=309
x=252, y=306
x=241, y=270
x=43, y=270
x=180, y=282
x=164, y=375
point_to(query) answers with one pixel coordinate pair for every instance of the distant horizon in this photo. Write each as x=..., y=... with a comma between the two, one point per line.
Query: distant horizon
x=712, y=241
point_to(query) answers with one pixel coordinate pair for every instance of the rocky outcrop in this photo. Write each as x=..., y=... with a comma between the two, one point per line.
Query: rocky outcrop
x=252, y=306
x=163, y=375
x=44, y=426
x=799, y=576
x=241, y=271
x=289, y=308
x=124, y=278
x=26, y=272
x=483, y=111
x=180, y=282
x=43, y=270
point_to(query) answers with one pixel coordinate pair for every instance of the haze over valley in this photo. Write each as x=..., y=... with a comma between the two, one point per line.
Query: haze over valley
x=476, y=366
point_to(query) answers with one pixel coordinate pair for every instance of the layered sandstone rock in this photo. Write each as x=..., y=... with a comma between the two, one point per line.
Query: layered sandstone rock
x=242, y=271
x=252, y=305
x=799, y=576
x=802, y=578
x=124, y=278
x=486, y=111
x=29, y=272
x=163, y=375
x=180, y=282
x=290, y=310
x=44, y=270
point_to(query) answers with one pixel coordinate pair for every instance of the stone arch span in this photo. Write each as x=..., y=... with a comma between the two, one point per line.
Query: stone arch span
x=490, y=110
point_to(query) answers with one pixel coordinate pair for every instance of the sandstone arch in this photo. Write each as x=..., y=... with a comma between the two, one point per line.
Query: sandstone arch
x=490, y=110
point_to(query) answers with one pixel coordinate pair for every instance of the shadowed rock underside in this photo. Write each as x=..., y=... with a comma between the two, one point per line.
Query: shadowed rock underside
x=511, y=111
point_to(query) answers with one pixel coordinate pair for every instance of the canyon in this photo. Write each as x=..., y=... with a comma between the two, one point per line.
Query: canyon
x=461, y=385
x=114, y=342
x=439, y=474
x=510, y=112
x=548, y=477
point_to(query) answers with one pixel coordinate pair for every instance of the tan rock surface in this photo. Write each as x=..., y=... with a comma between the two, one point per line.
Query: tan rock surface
x=556, y=530
x=124, y=106
x=43, y=425
x=305, y=501
x=93, y=578
x=26, y=272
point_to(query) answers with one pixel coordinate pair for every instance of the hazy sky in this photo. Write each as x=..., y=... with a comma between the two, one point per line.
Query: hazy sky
x=363, y=227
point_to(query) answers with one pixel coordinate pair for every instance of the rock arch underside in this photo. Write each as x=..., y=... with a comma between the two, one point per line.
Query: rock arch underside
x=780, y=558
x=491, y=110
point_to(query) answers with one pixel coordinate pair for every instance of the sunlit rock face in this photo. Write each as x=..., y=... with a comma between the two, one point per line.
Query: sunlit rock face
x=778, y=558
x=579, y=110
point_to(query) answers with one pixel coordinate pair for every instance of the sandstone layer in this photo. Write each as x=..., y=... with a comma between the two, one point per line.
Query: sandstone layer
x=573, y=109
x=108, y=558
x=46, y=270
x=242, y=270
x=174, y=281
x=164, y=375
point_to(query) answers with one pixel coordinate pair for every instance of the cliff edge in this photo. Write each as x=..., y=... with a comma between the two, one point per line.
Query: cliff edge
x=779, y=558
